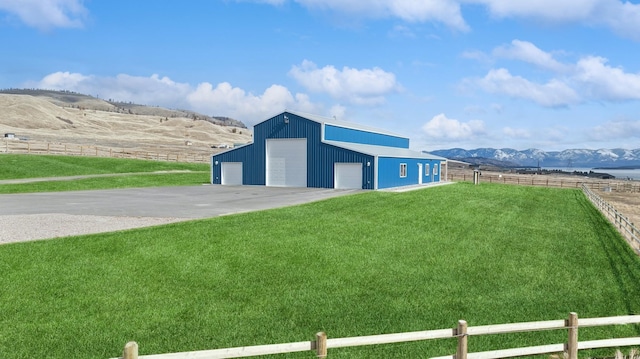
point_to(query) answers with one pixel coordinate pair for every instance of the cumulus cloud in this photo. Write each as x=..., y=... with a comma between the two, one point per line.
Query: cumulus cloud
x=530, y=53
x=221, y=99
x=47, y=14
x=554, y=93
x=365, y=86
x=621, y=16
x=225, y=98
x=63, y=80
x=603, y=82
x=440, y=126
x=591, y=78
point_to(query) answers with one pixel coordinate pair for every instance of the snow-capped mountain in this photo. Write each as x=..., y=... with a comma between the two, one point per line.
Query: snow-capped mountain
x=533, y=157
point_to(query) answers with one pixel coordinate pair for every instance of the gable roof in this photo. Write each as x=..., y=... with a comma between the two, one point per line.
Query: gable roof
x=346, y=124
x=384, y=151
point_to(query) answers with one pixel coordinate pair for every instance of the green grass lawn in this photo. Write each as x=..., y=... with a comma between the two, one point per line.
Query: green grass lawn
x=33, y=166
x=134, y=173
x=364, y=264
x=124, y=181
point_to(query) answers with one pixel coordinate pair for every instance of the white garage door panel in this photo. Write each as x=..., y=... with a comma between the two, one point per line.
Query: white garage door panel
x=231, y=173
x=348, y=175
x=286, y=162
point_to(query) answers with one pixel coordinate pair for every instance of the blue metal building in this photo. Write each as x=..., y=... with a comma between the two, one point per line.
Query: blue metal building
x=301, y=150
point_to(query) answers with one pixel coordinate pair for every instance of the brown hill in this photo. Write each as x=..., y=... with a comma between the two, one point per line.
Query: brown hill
x=81, y=119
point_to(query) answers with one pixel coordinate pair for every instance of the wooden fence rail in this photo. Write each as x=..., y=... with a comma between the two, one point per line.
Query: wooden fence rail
x=626, y=228
x=462, y=332
x=548, y=181
x=33, y=147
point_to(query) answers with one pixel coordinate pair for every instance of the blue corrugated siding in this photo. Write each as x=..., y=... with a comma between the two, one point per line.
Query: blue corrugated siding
x=321, y=174
x=389, y=172
x=336, y=133
x=320, y=156
x=251, y=164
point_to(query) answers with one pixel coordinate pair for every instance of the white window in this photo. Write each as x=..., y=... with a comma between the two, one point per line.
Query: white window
x=435, y=170
x=426, y=170
x=403, y=170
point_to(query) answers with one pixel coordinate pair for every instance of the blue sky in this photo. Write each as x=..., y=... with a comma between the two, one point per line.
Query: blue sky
x=546, y=74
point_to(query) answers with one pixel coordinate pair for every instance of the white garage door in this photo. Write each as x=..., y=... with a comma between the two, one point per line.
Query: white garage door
x=348, y=175
x=287, y=162
x=232, y=173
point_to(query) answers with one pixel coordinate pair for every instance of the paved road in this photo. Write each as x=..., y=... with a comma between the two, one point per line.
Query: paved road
x=176, y=202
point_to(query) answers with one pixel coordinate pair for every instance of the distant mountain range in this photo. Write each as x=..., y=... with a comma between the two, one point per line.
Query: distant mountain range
x=508, y=157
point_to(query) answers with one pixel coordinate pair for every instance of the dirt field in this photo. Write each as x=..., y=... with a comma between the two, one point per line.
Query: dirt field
x=626, y=203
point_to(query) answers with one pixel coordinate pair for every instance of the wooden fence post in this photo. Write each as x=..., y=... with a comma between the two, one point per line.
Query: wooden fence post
x=461, y=332
x=130, y=351
x=321, y=345
x=572, y=343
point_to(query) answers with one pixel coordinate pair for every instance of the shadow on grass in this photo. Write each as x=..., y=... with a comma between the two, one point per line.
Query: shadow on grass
x=623, y=261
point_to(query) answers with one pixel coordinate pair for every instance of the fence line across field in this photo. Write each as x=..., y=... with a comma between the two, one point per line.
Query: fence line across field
x=548, y=181
x=462, y=332
x=622, y=223
x=31, y=147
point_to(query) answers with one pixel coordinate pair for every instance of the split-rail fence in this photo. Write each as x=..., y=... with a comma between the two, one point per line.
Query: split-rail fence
x=49, y=148
x=622, y=223
x=462, y=332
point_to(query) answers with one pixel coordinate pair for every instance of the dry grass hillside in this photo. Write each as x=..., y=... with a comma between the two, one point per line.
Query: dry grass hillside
x=100, y=123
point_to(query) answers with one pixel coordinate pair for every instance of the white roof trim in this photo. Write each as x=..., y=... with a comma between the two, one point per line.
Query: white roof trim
x=384, y=151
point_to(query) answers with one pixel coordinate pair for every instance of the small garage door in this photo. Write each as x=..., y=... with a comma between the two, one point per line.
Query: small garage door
x=348, y=175
x=286, y=164
x=232, y=173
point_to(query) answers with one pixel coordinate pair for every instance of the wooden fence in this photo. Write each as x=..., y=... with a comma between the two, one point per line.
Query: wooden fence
x=462, y=332
x=548, y=181
x=626, y=228
x=34, y=147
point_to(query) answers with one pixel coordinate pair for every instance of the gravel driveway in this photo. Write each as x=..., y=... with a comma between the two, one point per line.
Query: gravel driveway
x=35, y=216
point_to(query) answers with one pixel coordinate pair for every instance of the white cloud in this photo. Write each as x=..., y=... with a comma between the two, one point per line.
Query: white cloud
x=402, y=31
x=440, y=127
x=554, y=93
x=366, y=86
x=622, y=17
x=549, y=10
x=528, y=52
x=222, y=99
x=234, y=101
x=478, y=56
x=516, y=132
x=615, y=130
x=47, y=14
x=338, y=111
x=63, y=80
x=603, y=82
x=589, y=79
x=443, y=11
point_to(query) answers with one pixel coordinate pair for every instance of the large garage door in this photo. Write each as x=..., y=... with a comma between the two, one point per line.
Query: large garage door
x=348, y=175
x=287, y=162
x=231, y=173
